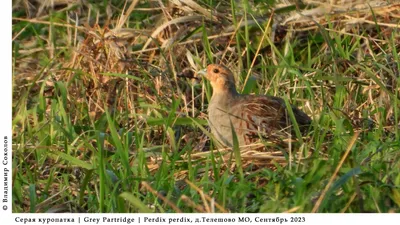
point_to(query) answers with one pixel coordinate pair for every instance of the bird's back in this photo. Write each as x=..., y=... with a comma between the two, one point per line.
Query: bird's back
x=262, y=116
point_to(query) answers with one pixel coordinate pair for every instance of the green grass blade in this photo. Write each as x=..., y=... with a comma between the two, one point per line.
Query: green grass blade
x=73, y=160
x=135, y=202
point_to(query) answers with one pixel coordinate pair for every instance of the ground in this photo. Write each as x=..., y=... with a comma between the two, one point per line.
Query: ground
x=109, y=116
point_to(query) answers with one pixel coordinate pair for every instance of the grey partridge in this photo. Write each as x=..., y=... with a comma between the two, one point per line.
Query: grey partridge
x=253, y=117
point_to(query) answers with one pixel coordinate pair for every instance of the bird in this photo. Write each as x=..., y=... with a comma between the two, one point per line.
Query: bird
x=251, y=117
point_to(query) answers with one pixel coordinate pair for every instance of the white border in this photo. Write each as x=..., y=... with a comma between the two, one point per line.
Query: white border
x=9, y=218
x=198, y=218
x=6, y=111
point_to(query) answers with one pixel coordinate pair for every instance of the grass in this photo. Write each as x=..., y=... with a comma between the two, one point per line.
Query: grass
x=102, y=124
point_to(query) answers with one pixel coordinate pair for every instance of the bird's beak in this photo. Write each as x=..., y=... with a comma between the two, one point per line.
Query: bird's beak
x=202, y=72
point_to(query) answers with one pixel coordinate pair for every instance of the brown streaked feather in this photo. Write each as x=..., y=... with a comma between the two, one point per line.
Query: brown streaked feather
x=252, y=117
x=266, y=117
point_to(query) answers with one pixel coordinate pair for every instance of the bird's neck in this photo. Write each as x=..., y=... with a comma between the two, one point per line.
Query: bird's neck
x=222, y=96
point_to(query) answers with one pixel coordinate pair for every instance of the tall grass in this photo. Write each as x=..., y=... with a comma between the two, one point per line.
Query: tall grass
x=102, y=124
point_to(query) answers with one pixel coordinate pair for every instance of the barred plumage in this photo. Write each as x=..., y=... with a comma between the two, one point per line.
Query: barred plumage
x=252, y=116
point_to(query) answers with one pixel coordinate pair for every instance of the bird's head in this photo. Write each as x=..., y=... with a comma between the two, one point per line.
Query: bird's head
x=220, y=77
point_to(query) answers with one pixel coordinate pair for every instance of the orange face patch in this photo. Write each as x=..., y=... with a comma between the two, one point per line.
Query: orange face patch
x=218, y=71
x=220, y=77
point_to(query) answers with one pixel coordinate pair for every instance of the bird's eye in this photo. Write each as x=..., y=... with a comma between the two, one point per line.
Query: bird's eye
x=216, y=70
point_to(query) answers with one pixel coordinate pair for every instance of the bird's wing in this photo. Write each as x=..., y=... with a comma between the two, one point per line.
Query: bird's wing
x=265, y=116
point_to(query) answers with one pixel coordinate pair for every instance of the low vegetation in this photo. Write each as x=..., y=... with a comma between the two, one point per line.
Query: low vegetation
x=109, y=115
